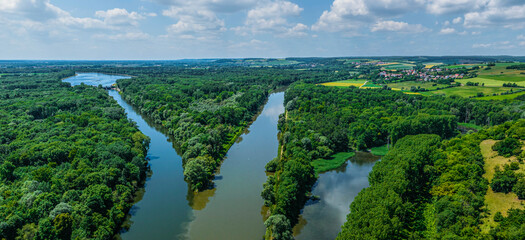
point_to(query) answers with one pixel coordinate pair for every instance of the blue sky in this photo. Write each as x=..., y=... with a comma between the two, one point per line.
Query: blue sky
x=176, y=29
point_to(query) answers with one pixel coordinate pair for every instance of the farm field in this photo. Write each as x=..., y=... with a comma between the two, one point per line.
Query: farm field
x=462, y=65
x=500, y=67
x=471, y=91
x=489, y=82
x=408, y=85
x=345, y=83
x=399, y=66
x=502, y=97
x=501, y=73
x=371, y=85
x=431, y=65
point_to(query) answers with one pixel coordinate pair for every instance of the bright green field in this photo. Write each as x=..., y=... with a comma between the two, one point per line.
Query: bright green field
x=462, y=65
x=371, y=85
x=352, y=81
x=401, y=66
x=408, y=85
x=502, y=97
x=491, y=82
x=379, y=151
x=501, y=73
x=323, y=165
x=500, y=67
x=345, y=83
x=471, y=91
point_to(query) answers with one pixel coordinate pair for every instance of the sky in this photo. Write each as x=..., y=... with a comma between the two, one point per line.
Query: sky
x=180, y=29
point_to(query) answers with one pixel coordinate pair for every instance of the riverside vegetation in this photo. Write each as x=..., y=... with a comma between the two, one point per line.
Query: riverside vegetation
x=205, y=110
x=428, y=188
x=321, y=121
x=71, y=161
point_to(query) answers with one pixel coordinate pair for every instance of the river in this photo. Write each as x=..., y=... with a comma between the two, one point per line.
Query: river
x=233, y=209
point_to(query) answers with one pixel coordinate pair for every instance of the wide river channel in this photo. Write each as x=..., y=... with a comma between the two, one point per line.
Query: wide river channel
x=233, y=209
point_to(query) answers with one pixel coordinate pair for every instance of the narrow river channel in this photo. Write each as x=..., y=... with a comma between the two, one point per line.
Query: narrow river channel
x=233, y=209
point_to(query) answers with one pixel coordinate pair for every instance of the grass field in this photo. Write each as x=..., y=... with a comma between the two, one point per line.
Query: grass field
x=470, y=91
x=490, y=82
x=497, y=202
x=323, y=165
x=498, y=69
x=371, y=85
x=399, y=66
x=462, y=66
x=501, y=73
x=408, y=85
x=345, y=83
x=379, y=151
x=502, y=97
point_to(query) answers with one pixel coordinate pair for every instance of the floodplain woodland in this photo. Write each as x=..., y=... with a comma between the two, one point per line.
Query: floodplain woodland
x=81, y=159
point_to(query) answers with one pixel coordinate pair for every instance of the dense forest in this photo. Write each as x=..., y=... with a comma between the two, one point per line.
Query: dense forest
x=320, y=121
x=425, y=188
x=70, y=159
x=205, y=110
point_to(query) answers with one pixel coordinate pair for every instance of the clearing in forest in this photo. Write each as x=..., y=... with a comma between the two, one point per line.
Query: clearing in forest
x=497, y=201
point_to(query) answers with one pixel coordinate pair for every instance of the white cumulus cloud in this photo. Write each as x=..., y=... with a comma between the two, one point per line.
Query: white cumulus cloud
x=454, y=6
x=447, y=31
x=350, y=15
x=394, y=26
x=509, y=14
x=273, y=17
x=120, y=16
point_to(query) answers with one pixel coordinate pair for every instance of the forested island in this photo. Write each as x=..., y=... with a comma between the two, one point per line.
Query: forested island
x=452, y=129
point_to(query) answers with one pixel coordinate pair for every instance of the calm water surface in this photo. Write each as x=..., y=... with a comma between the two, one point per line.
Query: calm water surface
x=337, y=189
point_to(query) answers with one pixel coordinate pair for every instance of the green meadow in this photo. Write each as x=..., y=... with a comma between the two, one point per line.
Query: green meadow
x=335, y=161
x=471, y=91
